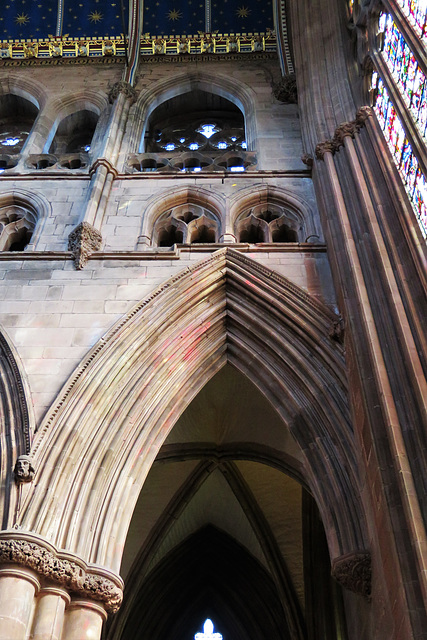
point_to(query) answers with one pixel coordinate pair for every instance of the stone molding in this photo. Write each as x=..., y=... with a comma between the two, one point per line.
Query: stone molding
x=122, y=87
x=286, y=90
x=12, y=374
x=353, y=572
x=346, y=129
x=61, y=568
x=82, y=242
x=307, y=159
x=103, y=162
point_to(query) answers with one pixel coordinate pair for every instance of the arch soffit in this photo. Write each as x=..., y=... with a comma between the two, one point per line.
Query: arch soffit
x=158, y=204
x=26, y=88
x=35, y=202
x=97, y=444
x=233, y=90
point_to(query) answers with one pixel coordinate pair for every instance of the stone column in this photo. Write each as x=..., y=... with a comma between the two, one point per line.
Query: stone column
x=31, y=566
x=49, y=614
x=18, y=587
x=83, y=620
x=86, y=237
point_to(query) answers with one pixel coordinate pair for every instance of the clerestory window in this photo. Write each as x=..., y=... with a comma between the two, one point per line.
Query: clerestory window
x=399, y=95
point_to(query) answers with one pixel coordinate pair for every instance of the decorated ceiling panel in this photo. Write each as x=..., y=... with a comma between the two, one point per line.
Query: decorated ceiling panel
x=40, y=19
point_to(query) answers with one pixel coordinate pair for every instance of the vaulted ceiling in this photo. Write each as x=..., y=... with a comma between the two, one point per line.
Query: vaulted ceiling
x=39, y=19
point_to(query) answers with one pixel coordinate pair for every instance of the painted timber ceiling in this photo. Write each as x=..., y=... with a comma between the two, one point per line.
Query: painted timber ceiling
x=41, y=19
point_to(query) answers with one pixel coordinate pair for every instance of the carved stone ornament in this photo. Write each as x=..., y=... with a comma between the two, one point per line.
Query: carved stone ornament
x=122, y=87
x=353, y=572
x=286, y=89
x=76, y=577
x=336, y=332
x=345, y=130
x=324, y=147
x=24, y=470
x=362, y=115
x=82, y=242
x=307, y=160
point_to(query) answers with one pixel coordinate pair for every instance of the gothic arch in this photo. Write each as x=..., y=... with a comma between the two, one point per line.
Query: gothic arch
x=97, y=444
x=35, y=203
x=33, y=91
x=247, y=198
x=60, y=108
x=16, y=425
x=168, y=199
x=157, y=93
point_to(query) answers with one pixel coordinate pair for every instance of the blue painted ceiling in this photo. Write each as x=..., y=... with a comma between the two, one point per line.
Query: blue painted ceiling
x=37, y=19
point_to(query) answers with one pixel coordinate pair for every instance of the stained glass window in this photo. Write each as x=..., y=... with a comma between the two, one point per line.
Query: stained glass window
x=405, y=71
x=416, y=12
x=400, y=147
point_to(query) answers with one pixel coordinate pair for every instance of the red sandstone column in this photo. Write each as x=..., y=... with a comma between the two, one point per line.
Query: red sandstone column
x=18, y=586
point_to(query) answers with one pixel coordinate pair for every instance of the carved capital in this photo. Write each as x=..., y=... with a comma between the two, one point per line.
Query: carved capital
x=345, y=130
x=324, y=147
x=307, y=160
x=122, y=87
x=353, y=572
x=362, y=115
x=286, y=89
x=82, y=242
x=74, y=574
x=24, y=470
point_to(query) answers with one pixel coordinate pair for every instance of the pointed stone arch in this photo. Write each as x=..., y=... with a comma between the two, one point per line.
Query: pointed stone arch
x=98, y=442
x=16, y=426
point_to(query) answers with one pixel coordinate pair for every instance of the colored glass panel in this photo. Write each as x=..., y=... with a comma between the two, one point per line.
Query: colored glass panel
x=401, y=150
x=405, y=71
x=416, y=12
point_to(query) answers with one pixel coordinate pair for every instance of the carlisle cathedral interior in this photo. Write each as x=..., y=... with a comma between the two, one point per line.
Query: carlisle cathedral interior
x=213, y=222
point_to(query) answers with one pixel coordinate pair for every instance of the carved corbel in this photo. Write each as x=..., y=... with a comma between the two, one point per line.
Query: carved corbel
x=122, y=87
x=82, y=242
x=308, y=160
x=353, y=572
x=362, y=115
x=24, y=470
x=286, y=89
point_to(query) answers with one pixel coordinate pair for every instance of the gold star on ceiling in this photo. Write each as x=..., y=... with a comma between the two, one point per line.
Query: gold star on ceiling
x=22, y=19
x=95, y=16
x=243, y=12
x=174, y=14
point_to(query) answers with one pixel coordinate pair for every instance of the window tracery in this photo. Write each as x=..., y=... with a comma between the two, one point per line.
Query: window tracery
x=16, y=227
x=74, y=133
x=267, y=223
x=186, y=224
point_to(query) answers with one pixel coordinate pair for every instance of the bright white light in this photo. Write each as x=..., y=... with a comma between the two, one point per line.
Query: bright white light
x=208, y=632
x=234, y=138
x=243, y=145
x=235, y=169
x=207, y=130
x=182, y=140
x=87, y=148
x=222, y=145
x=170, y=146
x=194, y=146
x=196, y=169
x=10, y=142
